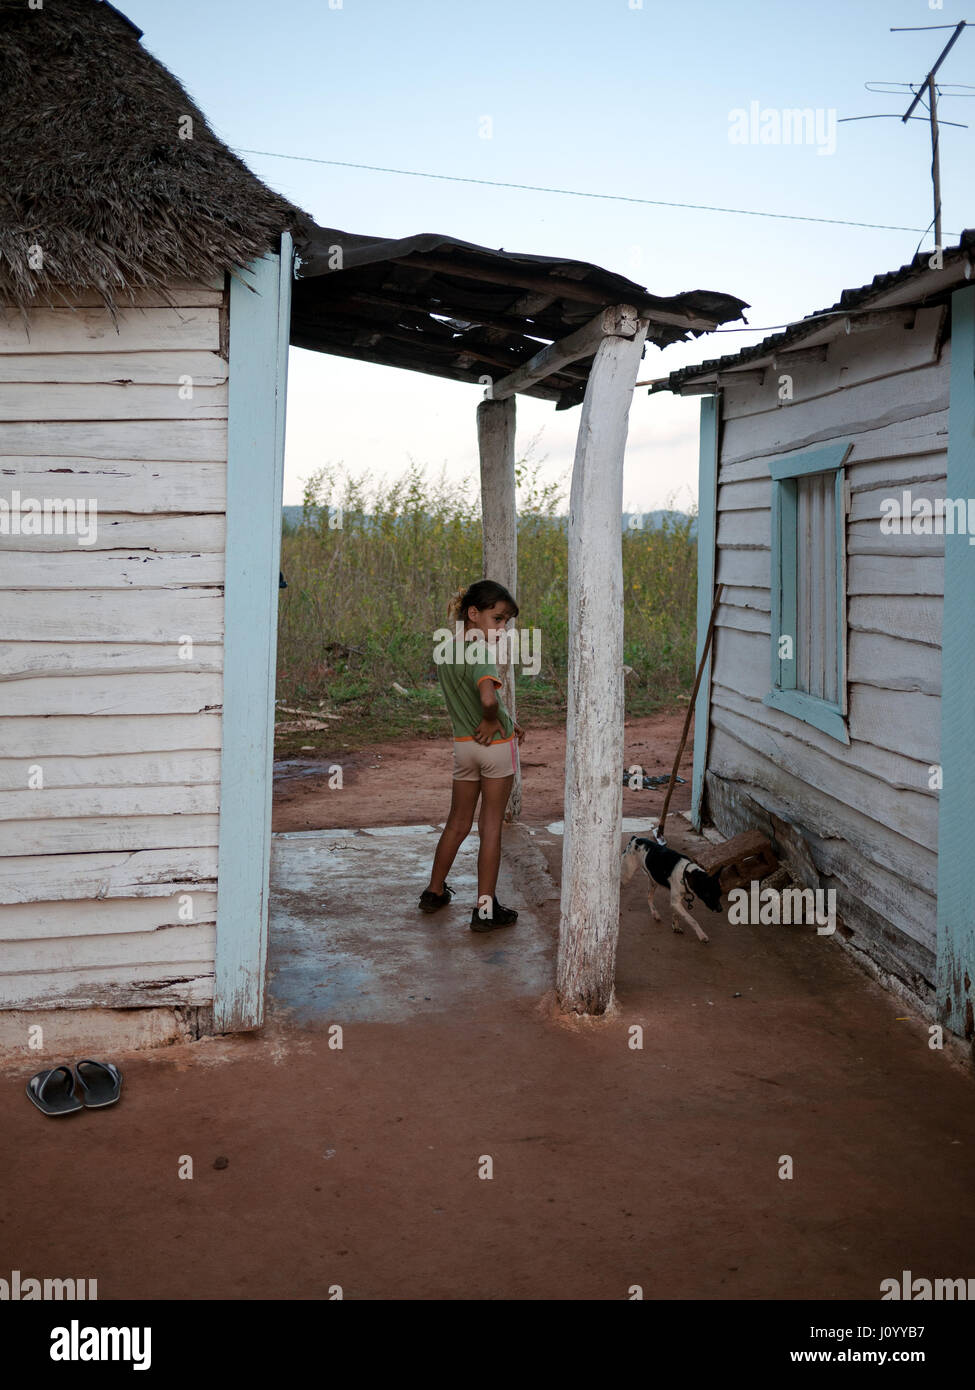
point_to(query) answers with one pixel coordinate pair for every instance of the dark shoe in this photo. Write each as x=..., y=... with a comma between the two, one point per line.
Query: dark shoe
x=431, y=902
x=500, y=917
x=101, y=1083
x=53, y=1091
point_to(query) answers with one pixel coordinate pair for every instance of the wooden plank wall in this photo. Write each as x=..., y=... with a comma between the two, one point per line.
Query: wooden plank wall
x=108, y=870
x=866, y=812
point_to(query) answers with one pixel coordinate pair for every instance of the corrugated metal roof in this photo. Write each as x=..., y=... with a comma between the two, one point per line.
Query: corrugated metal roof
x=850, y=299
x=431, y=303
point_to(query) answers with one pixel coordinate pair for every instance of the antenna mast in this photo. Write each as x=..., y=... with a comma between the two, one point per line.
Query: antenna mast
x=933, y=111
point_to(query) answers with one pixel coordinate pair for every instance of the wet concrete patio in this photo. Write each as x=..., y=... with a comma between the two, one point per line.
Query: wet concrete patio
x=346, y=938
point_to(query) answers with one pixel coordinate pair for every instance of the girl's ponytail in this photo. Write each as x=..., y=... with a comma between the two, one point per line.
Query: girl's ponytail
x=456, y=604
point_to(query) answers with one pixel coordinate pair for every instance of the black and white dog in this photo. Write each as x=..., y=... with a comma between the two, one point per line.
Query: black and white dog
x=685, y=879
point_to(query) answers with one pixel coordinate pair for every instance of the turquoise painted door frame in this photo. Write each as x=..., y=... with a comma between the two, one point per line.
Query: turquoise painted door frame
x=707, y=530
x=260, y=323
x=956, y=812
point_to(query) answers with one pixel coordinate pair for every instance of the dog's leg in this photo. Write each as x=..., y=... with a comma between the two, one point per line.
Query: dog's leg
x=681, y=911
x=650, y=892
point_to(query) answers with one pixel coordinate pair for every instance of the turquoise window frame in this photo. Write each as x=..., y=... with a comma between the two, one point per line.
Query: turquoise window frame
x=829, y=717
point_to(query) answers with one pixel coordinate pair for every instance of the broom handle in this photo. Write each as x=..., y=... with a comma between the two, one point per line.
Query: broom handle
x=690, y=710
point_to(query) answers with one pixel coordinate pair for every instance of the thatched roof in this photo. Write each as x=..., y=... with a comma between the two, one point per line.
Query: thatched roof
x=95, y=172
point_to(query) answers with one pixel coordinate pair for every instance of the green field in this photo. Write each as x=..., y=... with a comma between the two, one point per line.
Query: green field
x=370, y=570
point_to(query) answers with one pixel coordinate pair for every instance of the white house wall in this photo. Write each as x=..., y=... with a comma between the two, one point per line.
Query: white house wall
x=100, y=867
x=867, y=818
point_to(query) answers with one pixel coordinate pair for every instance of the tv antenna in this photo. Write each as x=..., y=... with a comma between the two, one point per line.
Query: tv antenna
x=929, y=87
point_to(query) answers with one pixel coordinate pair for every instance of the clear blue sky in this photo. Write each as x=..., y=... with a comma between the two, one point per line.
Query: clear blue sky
x=601, y=96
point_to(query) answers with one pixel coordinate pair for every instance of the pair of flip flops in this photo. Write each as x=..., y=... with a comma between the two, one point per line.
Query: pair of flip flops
x=54, y=1091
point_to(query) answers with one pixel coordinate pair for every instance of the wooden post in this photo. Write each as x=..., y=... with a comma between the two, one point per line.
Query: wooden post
x=589, y=923
x=499, y=521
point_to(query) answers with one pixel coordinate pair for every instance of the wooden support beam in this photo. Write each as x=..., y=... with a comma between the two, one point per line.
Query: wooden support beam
x=873, y=319
x=619, y=321
x=559, y=286
x=499, y=523
x=589, y=923
x=788, y=356
x=708, y=388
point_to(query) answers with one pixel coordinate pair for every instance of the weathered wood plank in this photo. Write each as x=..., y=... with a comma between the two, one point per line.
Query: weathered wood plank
x=87, y=568
x=742, y=661
x=903, y=720
x=749, y=496
x=85, y=736
x=115, y=401
x=745, y=619
x=153, y=985
x=204, y=441
x=888, y=574
x=162, y=693
x=133, y=487
x=897, y=770
x=73, y=802
x=114, y=615
x=139, y=368
x=897, y=444
x=92, y=330
x=20, y=659
x=94, y=835
x=757, y=599
x=852, y=361
x=865, y=502
x=743, y=530
x=750, y=569
x=115, y=531
x=913, y=813
x=896, y=900
x=865, y=538
x=843, y=413
x=894, y=663
x=132, y=917
x=163, y=873
x=916, y=619
x=185, y=767
x=804, y=805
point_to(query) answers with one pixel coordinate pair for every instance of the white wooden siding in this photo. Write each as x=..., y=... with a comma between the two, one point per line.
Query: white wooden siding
x=867, y=812
x=108, y=870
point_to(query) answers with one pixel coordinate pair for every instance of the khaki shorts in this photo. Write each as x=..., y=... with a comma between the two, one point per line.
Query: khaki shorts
x=472, y=760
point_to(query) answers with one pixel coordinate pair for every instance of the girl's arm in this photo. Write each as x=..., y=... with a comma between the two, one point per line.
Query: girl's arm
x=490, y=723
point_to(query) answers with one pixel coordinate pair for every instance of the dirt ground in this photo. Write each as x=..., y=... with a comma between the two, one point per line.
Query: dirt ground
x=613, y=1165
x=400, y=784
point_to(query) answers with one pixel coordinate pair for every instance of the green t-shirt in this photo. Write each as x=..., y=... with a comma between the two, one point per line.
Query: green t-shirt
x=460, y=683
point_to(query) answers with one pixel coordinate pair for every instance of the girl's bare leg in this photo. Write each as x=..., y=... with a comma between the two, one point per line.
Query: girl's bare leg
x=494, y=798
x=460, y=818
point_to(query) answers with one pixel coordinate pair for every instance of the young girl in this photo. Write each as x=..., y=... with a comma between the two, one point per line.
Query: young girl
x=486, y=741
